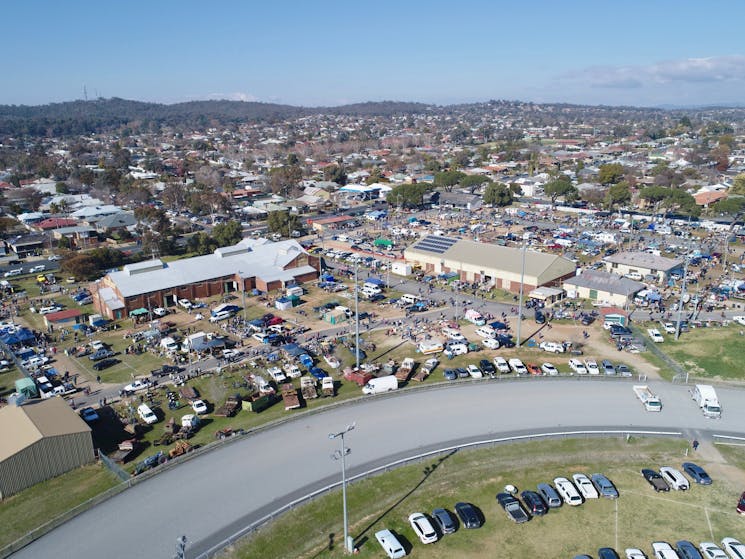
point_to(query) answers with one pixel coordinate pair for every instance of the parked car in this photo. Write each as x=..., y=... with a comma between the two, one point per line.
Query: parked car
x=89, y=415
x=534, y=503
x=608, y=367
x=533, y=369
x=501, y=364
x=450, y=374
x=549, y=495
x=663, y=550
x=697, y=473
x=99, y=354
x=160, y=311
x=655, y=480
x=137, y=385
x=607, y=553
x=487, y=367
x=469, y=515
x=199, y=407
x=734, y=548
x=185, y=303
x=585, y=486
x=634, y=553
x=444, y=520
x=674, y=478
x=390, y=544
x=592, y=366
x=513, y=507
x=687, y=550
x=517, y=366
x=549, y=369
x=710, y=550
x=604, y=486
x=474, y=371
x=624, y=370
x=552, y=347
x=422, y=528
x=567, y=491
x=105, y=364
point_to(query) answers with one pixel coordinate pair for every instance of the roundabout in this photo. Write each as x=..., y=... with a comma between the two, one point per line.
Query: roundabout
x=215, y=496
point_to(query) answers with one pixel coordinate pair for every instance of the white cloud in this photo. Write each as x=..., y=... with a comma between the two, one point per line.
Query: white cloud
x=235, y=96
x=687, y=70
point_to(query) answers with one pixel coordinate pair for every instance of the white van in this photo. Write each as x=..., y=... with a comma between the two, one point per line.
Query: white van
x=410, y=299
x=146, y=414
x=372, y=288
x=486, y=331
x=380, y=385
x=390, y=544
x=453, y=334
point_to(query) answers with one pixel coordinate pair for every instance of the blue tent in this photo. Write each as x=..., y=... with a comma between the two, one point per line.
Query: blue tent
x=375, y=281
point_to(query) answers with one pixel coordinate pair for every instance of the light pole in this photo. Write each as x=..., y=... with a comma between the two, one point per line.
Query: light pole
x=342, y=454
x=520, y=309
x=356, y=317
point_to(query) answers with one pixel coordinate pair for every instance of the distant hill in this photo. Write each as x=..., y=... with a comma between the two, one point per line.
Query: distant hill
x=81, y=117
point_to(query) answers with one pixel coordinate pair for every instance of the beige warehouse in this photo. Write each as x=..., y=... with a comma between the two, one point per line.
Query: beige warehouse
x=40, y=440
x=494, y=265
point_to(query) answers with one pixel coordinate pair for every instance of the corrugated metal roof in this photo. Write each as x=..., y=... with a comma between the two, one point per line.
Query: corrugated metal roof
x=645, y=260
x=604, y=281
x=249, y=258
x=24, y=425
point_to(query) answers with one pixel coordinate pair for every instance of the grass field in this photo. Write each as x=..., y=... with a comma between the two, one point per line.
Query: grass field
x=637, y=518
x=709, y=353
x=43, y=502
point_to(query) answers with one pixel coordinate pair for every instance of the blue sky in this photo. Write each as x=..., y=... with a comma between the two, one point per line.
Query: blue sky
x=331, y=52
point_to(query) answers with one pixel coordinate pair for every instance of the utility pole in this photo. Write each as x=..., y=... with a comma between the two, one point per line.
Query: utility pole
x=356, y=316
x=520, y=309
x=342, y=455
x=682, y=296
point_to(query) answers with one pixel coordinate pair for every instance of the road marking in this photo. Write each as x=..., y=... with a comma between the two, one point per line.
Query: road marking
x=616, y=503
x=708, y=521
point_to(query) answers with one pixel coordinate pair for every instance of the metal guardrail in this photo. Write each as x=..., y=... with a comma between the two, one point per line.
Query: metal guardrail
x=212, y=551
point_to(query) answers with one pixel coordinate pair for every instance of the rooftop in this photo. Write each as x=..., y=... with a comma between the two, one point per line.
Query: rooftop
x=645, y=260
x=605, y=281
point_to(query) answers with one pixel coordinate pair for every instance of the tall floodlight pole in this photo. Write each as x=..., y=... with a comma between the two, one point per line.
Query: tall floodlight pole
x=522, y=283
x=682, y=297
x=337, y=455
x=356, y=317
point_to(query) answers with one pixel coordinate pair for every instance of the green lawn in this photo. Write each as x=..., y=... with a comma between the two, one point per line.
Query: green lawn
x=708, y=353
x=41, y=503
x=635, y=520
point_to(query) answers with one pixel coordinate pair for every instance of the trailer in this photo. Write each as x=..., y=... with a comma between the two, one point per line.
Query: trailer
x=182, y=447
x=229, y=408
x=647, y=397
x=289, y=396
x=406, y=368
x=308, y=388
x=357, y=376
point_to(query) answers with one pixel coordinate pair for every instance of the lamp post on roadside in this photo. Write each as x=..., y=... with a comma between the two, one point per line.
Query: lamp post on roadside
x=337, y=455
x=520, y=309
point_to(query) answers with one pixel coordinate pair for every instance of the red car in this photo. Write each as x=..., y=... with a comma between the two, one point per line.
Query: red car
x=533, y=369
x=741, y=504
x=275, y=320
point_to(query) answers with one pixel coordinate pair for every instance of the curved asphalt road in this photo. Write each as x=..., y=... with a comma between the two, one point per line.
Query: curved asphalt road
x=213, y=496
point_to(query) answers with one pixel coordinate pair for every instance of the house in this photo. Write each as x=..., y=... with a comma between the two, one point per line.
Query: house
x=460, y=200
x=25, y=245
x=48, y=439
x=55, y=223
x=603, y=288
x=66, y=317
x=114, y=222
x=80, y=236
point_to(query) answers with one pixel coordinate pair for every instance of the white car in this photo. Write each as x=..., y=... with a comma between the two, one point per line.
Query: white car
x=486, y=332
x=222, y=315
x=634, y=553
x=568, y=492
x=160, y=311
x=577, y=366
x=552, y=347
x=549, y=369
x=501, y=364
x=292, y=370
x=277, y=374
x=734, y=548
x=423, y=528
x=474, y=371
x=669, y=327
x=231, y=353
x=491, y=343
x=199, y=407
x=592, y=366
x=674, y=478
x=54, y=257
x=655, y=336
x=36, y=269
x=585, y=486
x=710, y=550
x=663, y=550
x=50, y=309
x=137, y=385
x=517, y=366
x=185, y=303
x=740, y=320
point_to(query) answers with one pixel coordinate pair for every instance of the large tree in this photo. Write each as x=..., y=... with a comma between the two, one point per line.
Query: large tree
x=282, y=222
x=498, y=194
x=408, y=195
x=738, y=185
x=560, y=187
x=448, y=179
x=610, y=173
x=228, y=233
x=618, y=195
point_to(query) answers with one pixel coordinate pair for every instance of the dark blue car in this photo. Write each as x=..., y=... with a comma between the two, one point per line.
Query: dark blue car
x=697, y=473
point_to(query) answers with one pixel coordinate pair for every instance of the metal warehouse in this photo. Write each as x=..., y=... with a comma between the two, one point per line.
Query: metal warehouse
x=40, y=440
x=497, y=266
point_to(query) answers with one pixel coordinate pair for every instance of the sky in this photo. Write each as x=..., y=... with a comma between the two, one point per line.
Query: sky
x=334, y=52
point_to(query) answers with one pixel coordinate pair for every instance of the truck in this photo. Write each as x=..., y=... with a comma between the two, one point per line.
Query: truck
x=308, y=388
x=426, y=369
x=327, y=386
x=403, y=372
x=357, y=376
x=513, y=508
x=474, y=316
x=706, y=398
x=289, y=396
x=229, y=408
x=380, y=385
x=647, y=397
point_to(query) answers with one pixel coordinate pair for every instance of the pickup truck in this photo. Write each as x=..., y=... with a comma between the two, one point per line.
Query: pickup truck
x=403, y=372
x=647, y=397
x=358, y=377
x=308, y=388
x=513, y=508
x=426, y=369
x=289, y=396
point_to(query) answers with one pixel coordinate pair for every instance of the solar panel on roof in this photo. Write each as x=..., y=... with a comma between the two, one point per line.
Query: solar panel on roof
x=435, y=244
